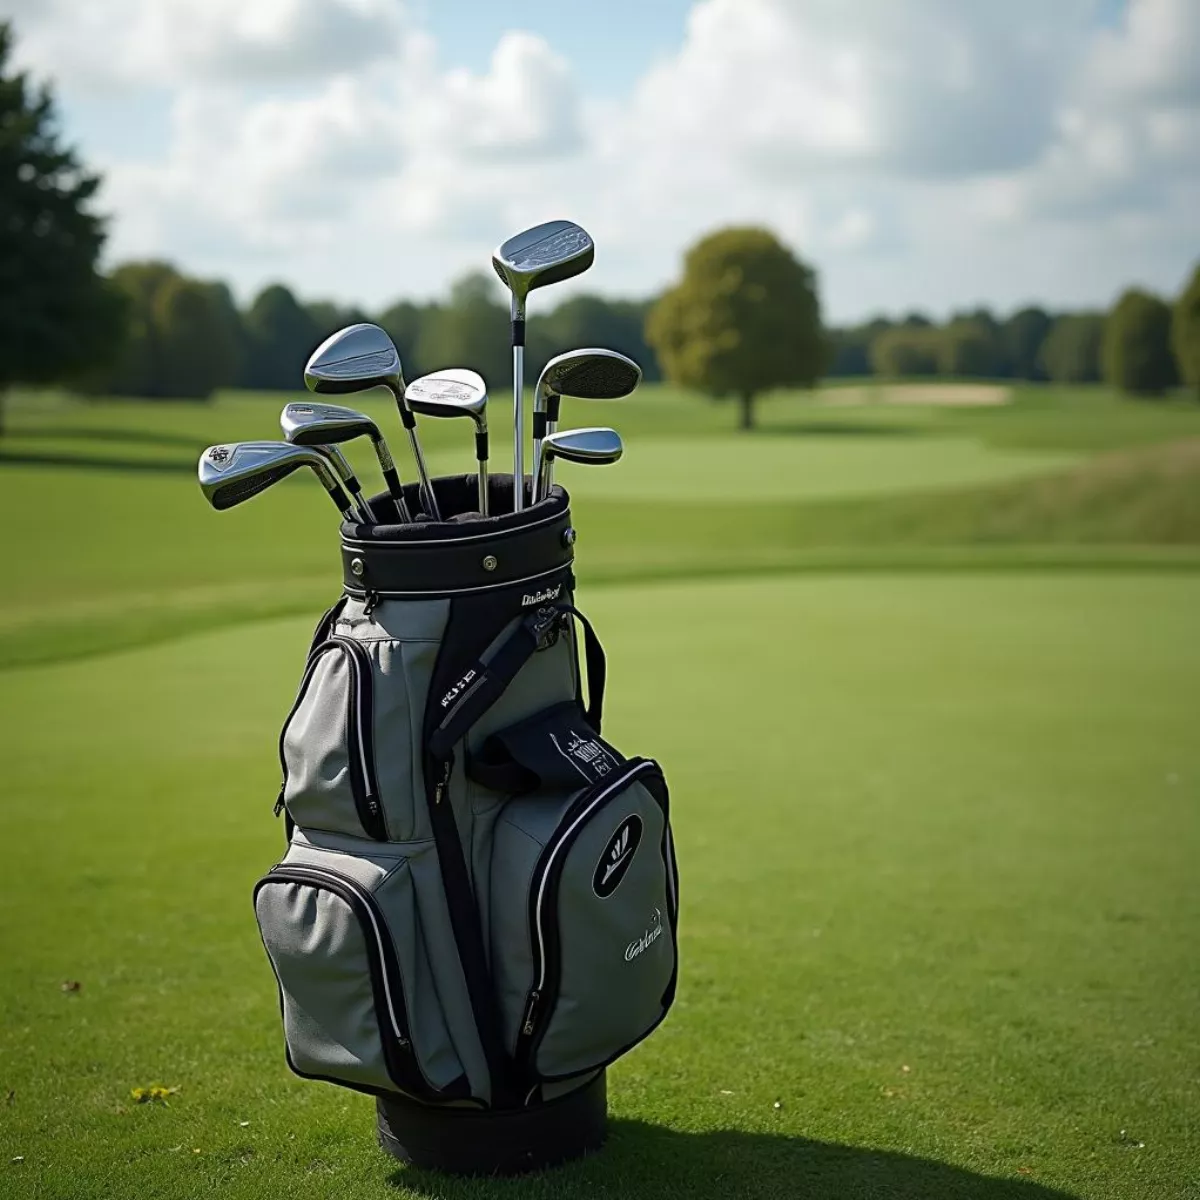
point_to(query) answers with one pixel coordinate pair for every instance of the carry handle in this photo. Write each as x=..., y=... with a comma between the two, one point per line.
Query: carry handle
x=483, y=684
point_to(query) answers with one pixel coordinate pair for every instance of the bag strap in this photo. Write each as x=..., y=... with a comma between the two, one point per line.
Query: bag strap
x=482, y=685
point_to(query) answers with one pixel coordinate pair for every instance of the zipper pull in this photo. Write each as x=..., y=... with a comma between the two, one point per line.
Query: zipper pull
x=443, y=783
x=531, y=1006
x=372, y=601
x=279, y=805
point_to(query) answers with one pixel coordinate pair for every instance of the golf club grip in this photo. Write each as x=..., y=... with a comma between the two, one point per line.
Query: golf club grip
x=481, y=445
x=396, y=490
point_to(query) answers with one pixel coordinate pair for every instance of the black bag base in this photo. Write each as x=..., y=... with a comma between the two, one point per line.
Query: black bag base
x=474, y=1142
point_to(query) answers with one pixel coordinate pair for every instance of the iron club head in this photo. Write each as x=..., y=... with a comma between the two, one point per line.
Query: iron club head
x=594, y=446
x=232, y=473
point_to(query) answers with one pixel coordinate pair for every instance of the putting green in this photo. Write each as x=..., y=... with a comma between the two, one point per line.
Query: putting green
x=938, y=838
x=783, y=467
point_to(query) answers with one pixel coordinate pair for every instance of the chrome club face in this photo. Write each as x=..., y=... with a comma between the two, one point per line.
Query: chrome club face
x=235, y=472
x=457, y=392
x=593, y=374
x=360, y=357
x=595, y=446
x=315, y=424
x=545, y=254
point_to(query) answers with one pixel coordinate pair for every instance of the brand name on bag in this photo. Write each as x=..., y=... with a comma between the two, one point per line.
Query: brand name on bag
x=541, y=597
x=458, y=688
x=639, y=945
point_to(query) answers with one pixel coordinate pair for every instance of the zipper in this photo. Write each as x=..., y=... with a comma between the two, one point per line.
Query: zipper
x=399, y=1055
x=542, y=943
x=360, y=750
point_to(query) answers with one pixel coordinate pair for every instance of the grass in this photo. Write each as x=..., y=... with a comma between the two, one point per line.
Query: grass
x=947, y=927
x=925, y=692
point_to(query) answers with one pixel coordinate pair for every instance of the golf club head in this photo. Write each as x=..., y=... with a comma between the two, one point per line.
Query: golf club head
x=547, y=253
x=354, y=359
x=316, y=424
x=454, y=392
x=592, y=374
x=237, y=471
x=597, y=445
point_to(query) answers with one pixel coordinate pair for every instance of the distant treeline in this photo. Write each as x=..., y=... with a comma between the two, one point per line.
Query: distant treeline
x=187, y=337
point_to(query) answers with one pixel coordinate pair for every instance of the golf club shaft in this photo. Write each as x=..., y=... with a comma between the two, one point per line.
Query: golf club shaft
x=542, y=486
x=518, y=349
x=392, y=478
x=551, y=427
x=481, y=456
x=409, y=421
x=350, y=482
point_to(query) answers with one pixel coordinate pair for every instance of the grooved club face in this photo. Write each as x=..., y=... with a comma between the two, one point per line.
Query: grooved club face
x=542, y=255
x=237, y=471
x=316, y=424
x=454, y=392
x=352, y=360
x=584, y=446
x=589, y=374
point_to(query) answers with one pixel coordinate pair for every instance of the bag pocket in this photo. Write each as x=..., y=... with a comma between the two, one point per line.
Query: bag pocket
x=584, y=910
x=327, y=745
x=356, y=996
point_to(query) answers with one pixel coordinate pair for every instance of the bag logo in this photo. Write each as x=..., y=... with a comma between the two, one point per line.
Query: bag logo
x=458, y=688
x=528, y=600
x=618, y=854
x=639, y=945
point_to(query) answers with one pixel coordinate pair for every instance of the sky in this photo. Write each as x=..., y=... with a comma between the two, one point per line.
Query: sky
x=930, y=154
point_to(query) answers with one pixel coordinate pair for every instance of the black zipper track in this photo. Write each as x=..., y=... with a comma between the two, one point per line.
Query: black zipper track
x=386, y=980
x=360, y=748
x=547, y=968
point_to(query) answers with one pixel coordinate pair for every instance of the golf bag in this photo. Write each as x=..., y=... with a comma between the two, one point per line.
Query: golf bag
x=476, y=912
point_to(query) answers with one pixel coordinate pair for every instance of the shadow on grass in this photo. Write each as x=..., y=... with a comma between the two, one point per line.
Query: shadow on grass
x=643, y=1160
x=836, y=429
x=89, y=433
x=92, y=462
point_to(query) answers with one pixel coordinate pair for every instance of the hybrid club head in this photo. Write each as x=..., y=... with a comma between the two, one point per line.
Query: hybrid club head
x=363, y=356
x=545, y=254
x=232, y=473
x=595, y=446
x=457, y=392
x=311, y=423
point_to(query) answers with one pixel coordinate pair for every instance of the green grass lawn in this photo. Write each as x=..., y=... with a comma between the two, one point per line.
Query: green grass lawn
x=937, y=820
x=938, y=838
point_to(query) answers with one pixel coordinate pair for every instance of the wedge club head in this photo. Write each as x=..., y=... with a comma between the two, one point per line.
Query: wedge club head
x=360, y=357
x=237, y=471
x=591, y=374
x=457, y=392
x=595, y=446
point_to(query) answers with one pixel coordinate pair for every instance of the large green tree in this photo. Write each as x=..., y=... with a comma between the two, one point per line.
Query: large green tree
x=280, y=335
x=1071, y=351
x=1137, y=354
x=1022, y=336
x=968, y=346
x=59, y=318
x=744, y=318
x=1185, y=332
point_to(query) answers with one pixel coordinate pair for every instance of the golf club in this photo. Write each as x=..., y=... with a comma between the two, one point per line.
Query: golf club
x=235, y=472
x=597, y=446
x=315, y=424
x=457, y=392
x=593, y=374
x=539, y=256
x=360, y=357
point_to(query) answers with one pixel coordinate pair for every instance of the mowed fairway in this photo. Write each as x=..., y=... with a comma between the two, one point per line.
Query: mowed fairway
x=938, y=831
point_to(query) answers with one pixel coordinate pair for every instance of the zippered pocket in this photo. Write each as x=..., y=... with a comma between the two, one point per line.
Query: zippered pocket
x=327, y=744
x=357, y=1009
x=584, y=908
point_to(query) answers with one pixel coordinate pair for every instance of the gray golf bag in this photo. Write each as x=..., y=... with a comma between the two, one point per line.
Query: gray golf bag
x=476, y=912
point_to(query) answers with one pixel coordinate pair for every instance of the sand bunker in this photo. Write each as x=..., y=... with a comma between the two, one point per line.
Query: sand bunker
x=949, y=395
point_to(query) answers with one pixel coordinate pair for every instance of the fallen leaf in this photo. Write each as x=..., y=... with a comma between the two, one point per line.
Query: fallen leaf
x=155, y=1093
x=19, y=1158
x=71, y=985
x=778, y=1104
x=726, y=1092
x=1024, y=1170
x=244, y=1124
x=196, y=1150
x=906, y=1068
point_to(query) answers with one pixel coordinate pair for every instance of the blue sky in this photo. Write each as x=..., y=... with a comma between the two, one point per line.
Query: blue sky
x=935, y=154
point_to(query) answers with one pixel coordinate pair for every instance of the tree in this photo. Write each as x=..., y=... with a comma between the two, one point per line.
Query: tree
x=851, y=347
x=59, y=318
x=968, y=346
x=1136, y=353
x=471, y=331
x=744, y=318
x=1185, y=332
x=1022, y=336
x=1071, y=351
x=199, y=350
x=328, y=317
x=280, y=336
x=907, y=349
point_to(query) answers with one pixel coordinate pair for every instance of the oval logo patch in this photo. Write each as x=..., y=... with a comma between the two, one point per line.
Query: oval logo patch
x=618, y=854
